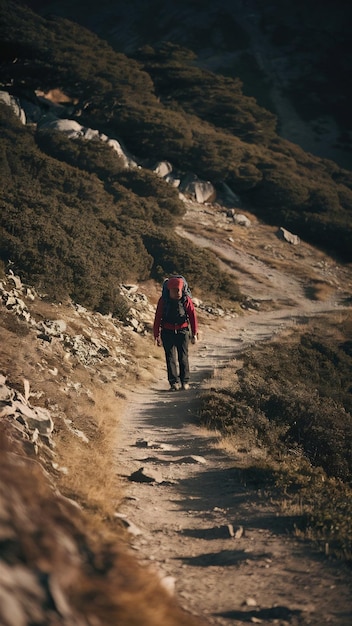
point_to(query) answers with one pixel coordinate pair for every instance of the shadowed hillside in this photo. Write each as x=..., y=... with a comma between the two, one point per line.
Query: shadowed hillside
x=162, y=107
x=79, y=222
x=293, y=57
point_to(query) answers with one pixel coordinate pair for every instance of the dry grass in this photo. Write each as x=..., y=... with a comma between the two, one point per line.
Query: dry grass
x=148, y=359
x=320, y=290
x=91, y=477
x=78, y=399
x=80, y=554
x=255, y=406
x=74, y=394
x=72, y=574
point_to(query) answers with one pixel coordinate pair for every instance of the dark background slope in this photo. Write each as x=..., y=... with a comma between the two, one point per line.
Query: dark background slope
x=293, y=57
x=73, y=219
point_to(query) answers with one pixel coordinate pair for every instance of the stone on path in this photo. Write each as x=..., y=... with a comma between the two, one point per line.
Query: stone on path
x=130, y=526
x=144, y=475
x=193, y=458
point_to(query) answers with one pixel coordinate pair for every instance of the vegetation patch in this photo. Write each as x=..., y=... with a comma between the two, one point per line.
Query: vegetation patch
x=293, y=399
x=75, y=571
x=77, y=233
x=160, y=105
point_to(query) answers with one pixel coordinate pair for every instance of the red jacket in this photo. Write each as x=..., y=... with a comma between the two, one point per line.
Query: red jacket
x=190, y=312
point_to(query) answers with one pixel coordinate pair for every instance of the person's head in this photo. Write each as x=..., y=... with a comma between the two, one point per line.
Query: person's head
x=175, y=286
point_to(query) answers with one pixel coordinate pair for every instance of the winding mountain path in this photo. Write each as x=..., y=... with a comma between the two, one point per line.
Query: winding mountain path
x=211, y=535
x=218, y=539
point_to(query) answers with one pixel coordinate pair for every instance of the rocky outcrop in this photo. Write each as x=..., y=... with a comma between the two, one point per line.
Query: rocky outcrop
x=37, y=113
x=141, y=313
x=190, y=185
x=14, y=103
x=74, y=130
x=200, y=190
x=289, y=237
x=34, y=423
x=88, y=349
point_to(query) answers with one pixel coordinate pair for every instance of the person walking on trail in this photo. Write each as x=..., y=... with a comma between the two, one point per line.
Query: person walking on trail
x=175, y=324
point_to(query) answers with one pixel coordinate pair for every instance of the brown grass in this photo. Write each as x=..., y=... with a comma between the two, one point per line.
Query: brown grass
x=80, y=554
x=256, y=407
x=75, y=394
x=320, y=290
x=262, y=241
x=91, y=477
x=71, y=567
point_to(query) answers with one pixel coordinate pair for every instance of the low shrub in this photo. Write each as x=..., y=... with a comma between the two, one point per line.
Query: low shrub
x=293, y=397
x=303, y=387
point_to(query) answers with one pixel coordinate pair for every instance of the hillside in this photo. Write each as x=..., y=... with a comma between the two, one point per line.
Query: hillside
x=118, y=168
x=161, y=107
x=293, y=58
x=103, y=386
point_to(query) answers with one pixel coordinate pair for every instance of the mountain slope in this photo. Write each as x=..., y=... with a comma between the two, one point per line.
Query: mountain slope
x=199, y=121
x=79, y=225
x=294, y=58
x=103, y=385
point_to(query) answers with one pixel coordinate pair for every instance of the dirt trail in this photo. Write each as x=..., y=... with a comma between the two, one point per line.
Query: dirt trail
x=184, y=519
x=205, y=528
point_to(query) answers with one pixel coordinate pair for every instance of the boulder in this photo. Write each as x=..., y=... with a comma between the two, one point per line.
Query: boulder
x=289, y=237
x=71, y=128
x=202, y=191
x=117, y=147
x=241, y=220
x=162, y=168
x=14, y=103
x=173, y=180
x=35, y=418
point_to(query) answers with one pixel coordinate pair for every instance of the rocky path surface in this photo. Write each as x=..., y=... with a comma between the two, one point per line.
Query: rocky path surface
x=217, y=541
x=203, y=527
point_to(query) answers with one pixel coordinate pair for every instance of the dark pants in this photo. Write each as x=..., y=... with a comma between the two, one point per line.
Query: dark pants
x=176, y=352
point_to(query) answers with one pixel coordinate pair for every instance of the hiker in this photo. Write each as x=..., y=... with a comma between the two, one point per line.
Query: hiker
x=175, y=324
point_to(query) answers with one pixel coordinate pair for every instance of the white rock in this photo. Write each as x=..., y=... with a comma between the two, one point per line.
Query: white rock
x=162, y=168
x=289, y=237
x=15, y=279
x=250, y=602
x=71, y=128
x=26, y=389
x=169, y=583
x=14, y=103
x=241, y=220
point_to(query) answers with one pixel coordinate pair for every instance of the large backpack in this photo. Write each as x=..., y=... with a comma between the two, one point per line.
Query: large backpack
x=185, y=289
x=165, y=294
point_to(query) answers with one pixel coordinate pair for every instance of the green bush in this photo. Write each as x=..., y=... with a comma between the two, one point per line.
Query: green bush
x=63, y=198
x=147, y=185
x=301, y=391
x=281, y=187
x=91, y=156
x=213, y=98
x=148, y=130
x=323, y=429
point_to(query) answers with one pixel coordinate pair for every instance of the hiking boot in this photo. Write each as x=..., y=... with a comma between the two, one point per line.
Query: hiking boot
x=174, y=387
x=185, y=386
